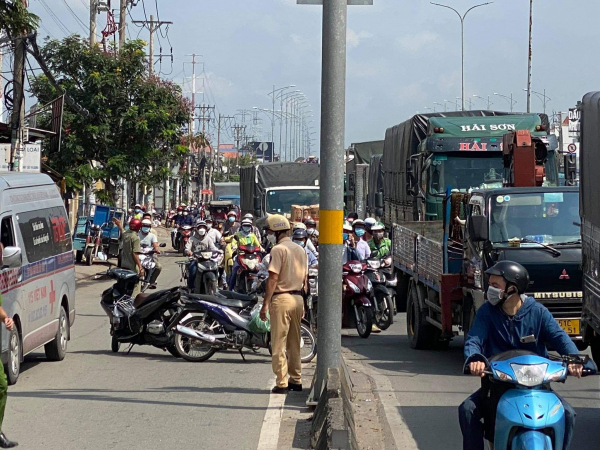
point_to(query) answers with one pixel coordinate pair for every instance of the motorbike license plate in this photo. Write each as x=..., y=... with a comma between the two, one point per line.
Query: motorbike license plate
x=571, y=326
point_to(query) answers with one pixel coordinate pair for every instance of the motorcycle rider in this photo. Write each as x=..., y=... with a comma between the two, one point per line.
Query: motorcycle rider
x=245, y=236
x=309, y=244
x=137, y=212
x=313, y=233
x=231, y=225
x=300, y=237
x=214, y=233
x=500, y=325
x=149, y=239
x=352, y=216
x=379, y=244
x=350, y=253
x=369, y=222
x=255, y=229
x=131, y=249
x=198, y=242
x=362, y=248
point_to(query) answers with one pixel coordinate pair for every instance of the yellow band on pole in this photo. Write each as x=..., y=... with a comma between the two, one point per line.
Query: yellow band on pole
x=330, y=226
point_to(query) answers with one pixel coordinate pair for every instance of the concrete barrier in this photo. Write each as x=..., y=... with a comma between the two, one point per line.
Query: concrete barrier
x=333, y=421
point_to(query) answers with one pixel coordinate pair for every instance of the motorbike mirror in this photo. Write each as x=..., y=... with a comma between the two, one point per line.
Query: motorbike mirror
x=163, y=245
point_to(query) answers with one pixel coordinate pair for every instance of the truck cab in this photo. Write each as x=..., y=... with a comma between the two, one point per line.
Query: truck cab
x=537, y=227
x=279, y=200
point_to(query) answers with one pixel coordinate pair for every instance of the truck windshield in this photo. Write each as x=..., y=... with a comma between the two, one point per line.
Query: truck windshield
x=281, y=200
x=548, y=218
x=465, y=172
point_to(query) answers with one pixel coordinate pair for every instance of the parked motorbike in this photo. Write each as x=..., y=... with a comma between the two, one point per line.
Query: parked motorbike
x=222, y=322
x=311, y=300
x=357, y=310
x=249, y=258
x=529, y=414
x=93, y=243
x=207, y=276
x=147, y=319
x=381, y=296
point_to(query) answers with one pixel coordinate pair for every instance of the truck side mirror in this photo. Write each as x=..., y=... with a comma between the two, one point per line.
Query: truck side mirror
x=256, y=203
x=478, y=228
x=379, y=200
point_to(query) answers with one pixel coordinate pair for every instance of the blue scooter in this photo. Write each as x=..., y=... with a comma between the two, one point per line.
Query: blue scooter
x=529, y=414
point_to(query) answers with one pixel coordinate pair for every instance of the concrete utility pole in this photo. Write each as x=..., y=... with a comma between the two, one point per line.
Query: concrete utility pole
x=238, y=131
x=205, y=117
x=122, y=22
x=153, y=27
x=93, y=12
x=1, y=82
x=18, y=113
x=529, y=57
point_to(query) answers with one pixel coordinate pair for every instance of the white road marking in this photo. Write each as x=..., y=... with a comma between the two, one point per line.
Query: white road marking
x=269, y=433
x=402, y=435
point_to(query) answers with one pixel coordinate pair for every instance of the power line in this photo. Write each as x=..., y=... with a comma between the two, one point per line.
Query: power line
x=55, y=18
x=85, y=28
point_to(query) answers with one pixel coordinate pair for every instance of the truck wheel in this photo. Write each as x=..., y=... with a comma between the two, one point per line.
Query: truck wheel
x=421, y=334
x=595, y=345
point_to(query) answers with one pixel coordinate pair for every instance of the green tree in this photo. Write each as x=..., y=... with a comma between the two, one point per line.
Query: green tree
x=134, y=126
x=15, y=19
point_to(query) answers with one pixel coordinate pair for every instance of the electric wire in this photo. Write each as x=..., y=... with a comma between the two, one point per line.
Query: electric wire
x=85, y=27
x=55, y=18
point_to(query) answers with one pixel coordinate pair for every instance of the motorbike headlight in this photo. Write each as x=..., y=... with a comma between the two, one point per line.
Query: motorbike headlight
x=353, y=286
x=369, y=285
x=206, y=255
x=531, y=374
x=356, y=268
x=503, y=376
x=313, y=272
x=374, y=263
x=251, y=263
x=557, y=376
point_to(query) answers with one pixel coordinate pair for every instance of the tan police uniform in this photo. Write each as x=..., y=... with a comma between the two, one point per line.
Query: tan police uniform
x=289, y=261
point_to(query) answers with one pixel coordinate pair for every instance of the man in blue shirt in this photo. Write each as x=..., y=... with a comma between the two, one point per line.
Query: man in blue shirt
x=500, y=325
x=300, y=237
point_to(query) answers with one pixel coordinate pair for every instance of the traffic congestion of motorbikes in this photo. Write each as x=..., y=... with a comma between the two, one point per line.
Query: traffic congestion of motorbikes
x=224, y=268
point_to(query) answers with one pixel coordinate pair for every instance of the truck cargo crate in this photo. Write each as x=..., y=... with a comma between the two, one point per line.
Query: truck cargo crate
x=430, y=259
x=403, y=246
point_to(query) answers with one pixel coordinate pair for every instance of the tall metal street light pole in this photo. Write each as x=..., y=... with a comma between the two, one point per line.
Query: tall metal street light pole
x=431, y=109
x=462, y=40
x=272, y=94
x=439, y=104
x=543, y=97
x=448, y=101
x=286, y=97
x=488, y=101
x=300, y=123
x=508, y=99
x=529, y=57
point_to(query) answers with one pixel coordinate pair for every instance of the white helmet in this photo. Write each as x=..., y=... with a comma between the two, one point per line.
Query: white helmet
x=247, y=222
x=299, y=226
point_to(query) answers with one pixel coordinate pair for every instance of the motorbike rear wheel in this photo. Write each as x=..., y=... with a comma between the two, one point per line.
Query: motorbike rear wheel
x=115, y=344
x=385, y=317
x=89, y=258
x=194, y=350
x=364, y=325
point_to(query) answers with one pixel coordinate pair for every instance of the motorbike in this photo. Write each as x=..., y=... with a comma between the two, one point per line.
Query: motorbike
x=169, y=220
x=311, y=300
x=147, y=319
x=222, y=322
x=381, y=296
x=529, y=414
x=357, y=310
x=93, y=243
x=249, y=258
x=207, y=276
x=181, y=237
x=148, y=261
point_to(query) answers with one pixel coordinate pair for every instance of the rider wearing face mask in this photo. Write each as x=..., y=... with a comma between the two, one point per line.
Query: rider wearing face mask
x=300, y=237
x=149, y=239
x=137, y=212
x=231, y=224
x=245, y=236
x=214, y=233
x=361, y=246
x=198, y=242
x=313, y=233
x=309, y=244
x=503, y=323
x=379, y=244
x=350, y=253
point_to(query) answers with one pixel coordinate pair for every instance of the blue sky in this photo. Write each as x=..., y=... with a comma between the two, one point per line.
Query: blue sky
x=403, y=55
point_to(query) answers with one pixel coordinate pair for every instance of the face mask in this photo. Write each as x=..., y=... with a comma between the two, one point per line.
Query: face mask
x=345, y=236
x=209, y=225
x=494, y=295
x=378, y=236
x=178, y=213
x=310, y=231
x=350, y=220
x=138, y=211
x=300, y=243
x=359, y=232
x=201, y=231
x=272, y=239
x=145, y=230
x=231, y=219
x=185, y=213
x=246, y=230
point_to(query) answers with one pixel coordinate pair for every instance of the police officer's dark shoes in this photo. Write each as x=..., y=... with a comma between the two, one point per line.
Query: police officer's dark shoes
x=295, y=387
x=280, y=390
x=5, y=443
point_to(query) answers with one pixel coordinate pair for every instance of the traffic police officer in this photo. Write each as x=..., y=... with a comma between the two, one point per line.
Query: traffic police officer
x=283, y=299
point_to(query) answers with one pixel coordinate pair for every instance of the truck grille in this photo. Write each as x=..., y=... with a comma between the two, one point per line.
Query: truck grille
x=564, y=310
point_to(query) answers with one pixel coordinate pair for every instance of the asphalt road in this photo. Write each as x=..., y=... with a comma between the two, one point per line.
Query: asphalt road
x=96, y=399
x=428, y=386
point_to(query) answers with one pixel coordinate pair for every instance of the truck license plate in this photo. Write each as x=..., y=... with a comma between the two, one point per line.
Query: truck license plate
x=571, y=326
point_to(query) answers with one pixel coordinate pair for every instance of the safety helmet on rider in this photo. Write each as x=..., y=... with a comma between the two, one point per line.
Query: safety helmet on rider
x=369, y=222
x=358, y=222
x=247, y=222
x=231, y=213
x=249, y=216
x=146, y=223
x=347, y=227
x=513, y=273
x=299, y=226
x=201, y=223
x=310, y=222
x=300, y=233
x=135, y=224
x=277, y=222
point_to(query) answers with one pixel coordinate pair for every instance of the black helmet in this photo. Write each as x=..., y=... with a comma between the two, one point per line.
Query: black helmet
x=514, y=273
x=300, y=233
x=310, y=222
